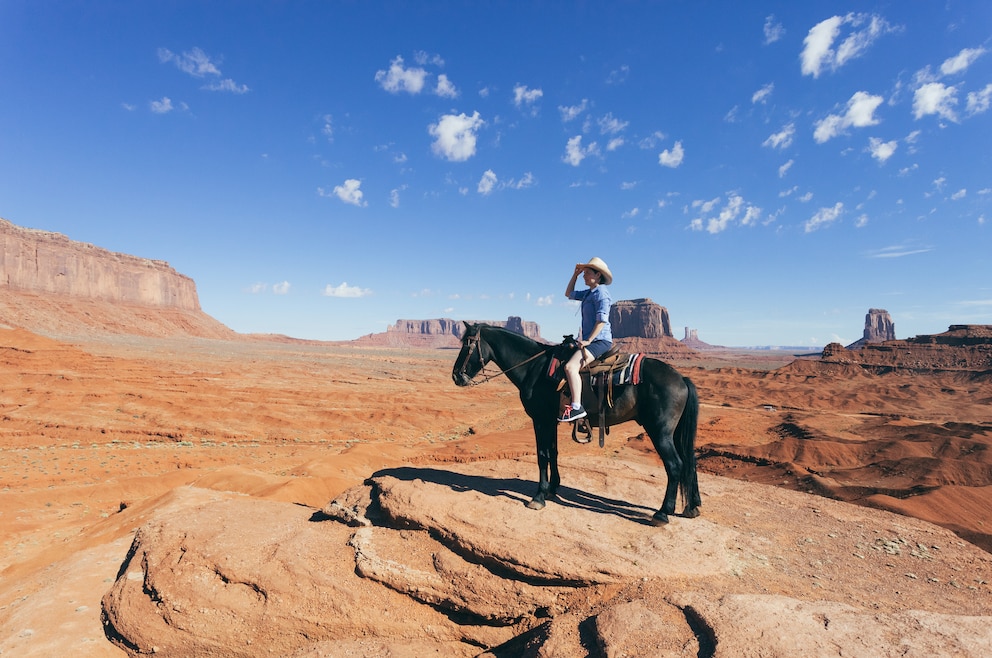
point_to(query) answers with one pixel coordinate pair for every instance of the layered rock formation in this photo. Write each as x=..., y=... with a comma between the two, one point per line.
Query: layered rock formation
x=639, y=318
x=50, y=284
x=448, y=561
x=961, y=347
x=441, y=332
x=692, y=340
x=878, y=328
x=43, y=262
x=641, y=325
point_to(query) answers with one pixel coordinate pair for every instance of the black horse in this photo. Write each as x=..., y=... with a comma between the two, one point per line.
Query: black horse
x=665, y=404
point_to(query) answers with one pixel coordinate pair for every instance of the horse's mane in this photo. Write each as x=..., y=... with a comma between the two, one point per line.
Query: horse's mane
x=523, y=343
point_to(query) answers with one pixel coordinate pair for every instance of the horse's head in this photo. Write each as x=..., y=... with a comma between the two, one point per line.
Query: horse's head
x=472, y=358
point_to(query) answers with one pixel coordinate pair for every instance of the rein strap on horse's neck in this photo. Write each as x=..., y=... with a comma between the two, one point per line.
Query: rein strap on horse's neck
x=486, y=378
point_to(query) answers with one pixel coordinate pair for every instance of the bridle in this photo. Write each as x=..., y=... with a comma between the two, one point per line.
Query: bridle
x=475, y=342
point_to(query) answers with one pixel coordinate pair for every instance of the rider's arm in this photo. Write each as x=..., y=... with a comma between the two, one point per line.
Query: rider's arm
x=571, y=282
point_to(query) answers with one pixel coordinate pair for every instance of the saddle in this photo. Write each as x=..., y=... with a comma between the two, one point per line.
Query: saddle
x=613, y=368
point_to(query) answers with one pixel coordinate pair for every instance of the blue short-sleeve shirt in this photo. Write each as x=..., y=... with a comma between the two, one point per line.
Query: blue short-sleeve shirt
x=595, y=308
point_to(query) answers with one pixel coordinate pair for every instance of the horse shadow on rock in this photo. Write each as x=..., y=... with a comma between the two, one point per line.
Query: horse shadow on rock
x=516, y=489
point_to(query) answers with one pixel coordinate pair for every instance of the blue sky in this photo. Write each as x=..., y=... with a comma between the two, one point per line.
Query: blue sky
x=766, y=171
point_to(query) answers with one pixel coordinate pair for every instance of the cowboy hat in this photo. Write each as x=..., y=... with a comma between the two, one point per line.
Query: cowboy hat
x=601, y=267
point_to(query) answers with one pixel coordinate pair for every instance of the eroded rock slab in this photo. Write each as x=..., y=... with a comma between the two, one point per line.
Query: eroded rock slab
x=779, y=626
x=449, y=560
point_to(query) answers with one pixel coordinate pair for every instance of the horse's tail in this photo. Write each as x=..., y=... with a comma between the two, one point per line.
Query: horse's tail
x=685, y=445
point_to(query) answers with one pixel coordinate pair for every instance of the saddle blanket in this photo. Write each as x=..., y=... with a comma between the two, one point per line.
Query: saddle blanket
x=621, y=373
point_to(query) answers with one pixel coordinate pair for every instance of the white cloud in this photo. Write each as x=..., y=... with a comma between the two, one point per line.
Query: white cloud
x=805, y=198
x=394, y=198
x=761, y=96
x=860, y=113
x=672, y=158
x=129, y=107
x=526, y=97
x=960, y=194
x=445, y=88
x=978, y=101
x=785, y=168
x=547, y=300
x=818, y=46
x=398, y=78
x=198, y=64
x=195, y=62
x=898, y=251
x=618, y=76
x=782, y=139
x=610, y=125
x=487, y=182
x=344, y=290
x=880, y=150
x=651, y=140
x=328, y=128
x=349, y=192
x=575, y=154
x=773, y=31
x=163, y=106
x=615, y=143
x=227, y=85
x=281, y=288
x=861, y=221
x=570, y=112
x=935, y=98
x=528, y=180
x=824, y=217
x=455, y=136
x=735, y=210
x=705, y=207
x=961, y=61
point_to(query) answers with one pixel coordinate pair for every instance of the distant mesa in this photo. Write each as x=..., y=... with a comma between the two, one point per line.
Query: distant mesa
x=52, y=285
x=692, y=340
x=641, y=325
x=878, y=328
x=638, y=325
x=965, y=347
x=440, y=332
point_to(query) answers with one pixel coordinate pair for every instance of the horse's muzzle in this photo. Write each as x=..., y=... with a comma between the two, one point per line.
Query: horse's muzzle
x=461, y=379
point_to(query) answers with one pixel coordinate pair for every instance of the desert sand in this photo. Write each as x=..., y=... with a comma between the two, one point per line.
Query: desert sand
x=101, y=436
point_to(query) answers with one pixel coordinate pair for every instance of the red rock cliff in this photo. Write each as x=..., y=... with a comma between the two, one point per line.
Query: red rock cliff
x=55, y=286
x=43, y=262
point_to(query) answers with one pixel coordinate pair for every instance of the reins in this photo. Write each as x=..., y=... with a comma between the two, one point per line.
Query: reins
x=477, y=340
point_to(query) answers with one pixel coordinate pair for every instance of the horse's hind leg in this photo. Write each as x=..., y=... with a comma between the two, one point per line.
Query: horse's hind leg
x=665, y=447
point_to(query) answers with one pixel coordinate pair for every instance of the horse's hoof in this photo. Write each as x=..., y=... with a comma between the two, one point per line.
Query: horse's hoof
x=535, y=504
x=659, y=519
x=691, y=513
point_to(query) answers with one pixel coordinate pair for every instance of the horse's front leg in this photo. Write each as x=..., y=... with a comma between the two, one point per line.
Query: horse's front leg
x=546, y=434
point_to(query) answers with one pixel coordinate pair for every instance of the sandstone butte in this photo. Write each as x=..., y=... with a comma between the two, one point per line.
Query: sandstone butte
x=171, y=488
